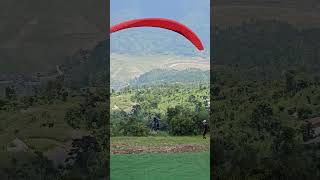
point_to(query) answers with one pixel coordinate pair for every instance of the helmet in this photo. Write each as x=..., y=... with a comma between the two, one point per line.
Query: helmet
x=204, y=121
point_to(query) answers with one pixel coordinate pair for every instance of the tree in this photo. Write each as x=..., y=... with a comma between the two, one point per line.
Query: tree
x=10, y=93
x=262, y=118
x=290, y=81
x=307, y=131
x=2, y=103
x=84, y=158
x=215, y=91
x=65, y=95
x=74, y=117
x=132, y=127
x=182, y=121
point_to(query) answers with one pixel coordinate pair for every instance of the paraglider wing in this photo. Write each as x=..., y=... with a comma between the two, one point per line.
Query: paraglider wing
x=161, y=23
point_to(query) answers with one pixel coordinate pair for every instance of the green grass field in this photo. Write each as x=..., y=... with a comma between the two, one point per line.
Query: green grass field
x=185, y=164
x=178, y=166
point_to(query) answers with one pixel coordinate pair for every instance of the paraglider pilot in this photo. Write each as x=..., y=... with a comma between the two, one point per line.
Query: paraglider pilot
x=205, y=128
x=156, y=124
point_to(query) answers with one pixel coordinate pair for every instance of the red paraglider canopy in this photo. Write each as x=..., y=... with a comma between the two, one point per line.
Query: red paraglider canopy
x=161, y=23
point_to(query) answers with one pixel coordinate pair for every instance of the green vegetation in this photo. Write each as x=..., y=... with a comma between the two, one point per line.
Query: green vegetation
x=181, y=108
x=181, y=100
x=233, y=13
x=45, y=126
x=169, y=76
x=61, y=131
x=263, y=91
x=178, y=166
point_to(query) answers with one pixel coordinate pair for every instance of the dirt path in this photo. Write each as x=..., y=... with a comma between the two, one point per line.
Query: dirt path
x=120, y=149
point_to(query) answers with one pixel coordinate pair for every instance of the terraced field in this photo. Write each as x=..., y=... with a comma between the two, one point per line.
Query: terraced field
x=30, y=129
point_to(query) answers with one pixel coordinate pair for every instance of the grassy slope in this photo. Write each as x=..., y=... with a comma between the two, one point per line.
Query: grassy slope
x=137, y=65
x=29, y=122
x=182, y=166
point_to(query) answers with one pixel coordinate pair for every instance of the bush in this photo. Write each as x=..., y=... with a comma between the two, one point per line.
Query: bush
x=74, y=117
x=183, y=125
x=182, y=121
x=132, y=127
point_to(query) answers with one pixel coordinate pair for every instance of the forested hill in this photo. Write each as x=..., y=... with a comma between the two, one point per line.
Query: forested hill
x=170, y=76
x=268, y=47
x=88, y=68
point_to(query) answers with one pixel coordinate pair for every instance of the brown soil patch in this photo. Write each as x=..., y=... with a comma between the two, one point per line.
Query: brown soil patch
x=162, y=149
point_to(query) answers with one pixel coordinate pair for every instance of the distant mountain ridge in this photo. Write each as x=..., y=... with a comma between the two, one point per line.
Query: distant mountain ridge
x=125, y=67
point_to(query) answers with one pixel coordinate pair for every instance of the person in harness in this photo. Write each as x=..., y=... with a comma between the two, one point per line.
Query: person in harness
x=156, y=124
x=205, y=128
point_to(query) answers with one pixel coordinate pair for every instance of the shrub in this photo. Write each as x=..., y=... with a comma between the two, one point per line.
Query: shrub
x=132, y=127
x=74, y=117
x=182, y=121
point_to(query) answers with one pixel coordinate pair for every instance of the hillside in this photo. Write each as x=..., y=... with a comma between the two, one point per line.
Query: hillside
x=300, y=13
x=265, y=49
x=170, y=76
x=37, y=35
x=265, y=86
x=125, y=67
x=32, y=39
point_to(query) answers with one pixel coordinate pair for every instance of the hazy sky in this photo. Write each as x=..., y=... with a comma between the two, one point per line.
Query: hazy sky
x=193, y=13
x=174, y=9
